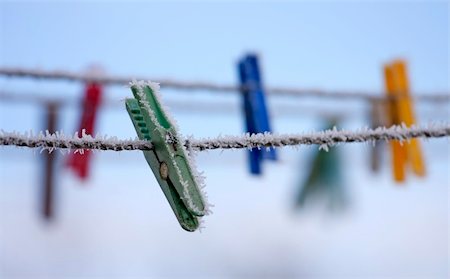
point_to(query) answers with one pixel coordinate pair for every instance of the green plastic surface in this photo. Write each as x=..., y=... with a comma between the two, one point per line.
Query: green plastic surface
x=180, y=187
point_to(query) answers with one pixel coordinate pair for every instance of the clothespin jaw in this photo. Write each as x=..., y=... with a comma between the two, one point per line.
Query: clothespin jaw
x=168, y=158
x=256, y=115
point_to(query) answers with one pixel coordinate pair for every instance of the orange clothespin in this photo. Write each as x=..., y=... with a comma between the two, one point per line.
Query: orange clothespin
x=401, y=112
x=407, y=116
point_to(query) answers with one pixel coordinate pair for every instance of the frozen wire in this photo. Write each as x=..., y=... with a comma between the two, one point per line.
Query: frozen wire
x=116, y=104
x=324, y=139
x=213, y=107
x=59, y=140
x=210, y=86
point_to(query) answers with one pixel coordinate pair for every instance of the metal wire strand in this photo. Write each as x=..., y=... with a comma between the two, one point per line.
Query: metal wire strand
x=325, y=139
x=215, y=87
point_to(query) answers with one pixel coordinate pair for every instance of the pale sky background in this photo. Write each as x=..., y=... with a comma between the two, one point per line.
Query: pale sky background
x=119, y=225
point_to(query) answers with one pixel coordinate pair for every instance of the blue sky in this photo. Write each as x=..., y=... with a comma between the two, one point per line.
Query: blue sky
x=119, y=224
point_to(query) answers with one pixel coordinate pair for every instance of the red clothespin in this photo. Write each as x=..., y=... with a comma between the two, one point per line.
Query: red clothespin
x=79, y=161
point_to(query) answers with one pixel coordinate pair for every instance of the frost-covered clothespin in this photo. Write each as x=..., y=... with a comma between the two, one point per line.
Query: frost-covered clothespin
x=401, y=112
x=79, y=161
x=48, y=189
x=255, y=109
x=169, y=160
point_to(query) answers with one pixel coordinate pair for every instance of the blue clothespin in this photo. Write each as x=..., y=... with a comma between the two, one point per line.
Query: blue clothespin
x=255, y=109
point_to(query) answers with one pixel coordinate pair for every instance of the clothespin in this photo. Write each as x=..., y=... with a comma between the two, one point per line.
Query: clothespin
x=255, y=109
x=325, y=179
x=47, y=193
x=401, y=112
x=169, y=160
x=377, y=119
x=79, y=161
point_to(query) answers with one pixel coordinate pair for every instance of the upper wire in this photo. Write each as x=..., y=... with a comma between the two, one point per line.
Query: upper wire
x=210, y=86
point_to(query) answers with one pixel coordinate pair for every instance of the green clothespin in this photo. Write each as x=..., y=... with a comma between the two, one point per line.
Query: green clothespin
x=168, y=159
x=325, y=180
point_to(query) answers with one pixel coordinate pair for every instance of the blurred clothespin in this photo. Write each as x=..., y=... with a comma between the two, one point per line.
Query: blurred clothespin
x=48, y=189
x=79, y=161
x=169, y=160
x=325, y=179
x=255, y=109
x=377, y=119
x=401, y=112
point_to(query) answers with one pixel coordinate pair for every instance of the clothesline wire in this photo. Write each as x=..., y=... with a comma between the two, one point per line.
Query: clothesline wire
x=208, y=107
x=325, y=139
x=210, y=86
x=196, y=106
